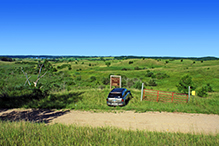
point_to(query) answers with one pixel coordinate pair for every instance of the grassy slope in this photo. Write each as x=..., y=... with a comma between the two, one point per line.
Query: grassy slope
x=90, y=98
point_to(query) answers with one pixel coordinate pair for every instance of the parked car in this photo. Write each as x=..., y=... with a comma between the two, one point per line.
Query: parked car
x=118, y=97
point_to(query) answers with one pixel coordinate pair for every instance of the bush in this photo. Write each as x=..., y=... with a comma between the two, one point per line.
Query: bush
x=92, y=78
x=137, y=85
x=152, y=82
x=105, y=81
x=108, y=64
x=149, y=74
x=209, y=88
x=78, y=78
x=184, y=83
x=130, y=62
x=202, y=92
x=124, y=69
x=137, y=68
x=162, y=75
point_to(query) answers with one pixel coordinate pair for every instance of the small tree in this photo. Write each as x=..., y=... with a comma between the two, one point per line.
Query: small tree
x=108, y=64
x=184, y=83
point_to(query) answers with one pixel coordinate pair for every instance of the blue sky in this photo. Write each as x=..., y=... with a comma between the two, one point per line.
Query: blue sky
x=179, y=28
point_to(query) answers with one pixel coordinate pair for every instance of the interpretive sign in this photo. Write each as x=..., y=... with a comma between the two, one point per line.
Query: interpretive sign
x=115, y=81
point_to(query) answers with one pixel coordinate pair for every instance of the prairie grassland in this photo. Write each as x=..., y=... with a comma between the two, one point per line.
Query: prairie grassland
x=73, y=88
x=26, y=133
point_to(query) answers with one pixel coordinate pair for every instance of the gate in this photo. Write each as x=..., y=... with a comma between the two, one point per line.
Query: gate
x=163, y=96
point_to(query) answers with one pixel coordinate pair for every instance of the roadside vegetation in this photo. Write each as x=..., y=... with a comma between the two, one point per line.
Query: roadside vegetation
x=83, y=83
x=27, y=133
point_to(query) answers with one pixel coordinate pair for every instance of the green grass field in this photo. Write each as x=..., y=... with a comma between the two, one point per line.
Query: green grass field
x=26, y=133
x=74, y=87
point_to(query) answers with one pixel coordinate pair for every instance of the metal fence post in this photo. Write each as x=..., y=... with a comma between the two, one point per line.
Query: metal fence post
x=189, y=93
x=142, y=90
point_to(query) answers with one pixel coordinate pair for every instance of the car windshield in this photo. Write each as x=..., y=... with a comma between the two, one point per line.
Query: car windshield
x=115, y=95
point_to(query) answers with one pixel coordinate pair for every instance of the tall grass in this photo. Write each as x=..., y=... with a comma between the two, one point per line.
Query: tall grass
x=26, y=133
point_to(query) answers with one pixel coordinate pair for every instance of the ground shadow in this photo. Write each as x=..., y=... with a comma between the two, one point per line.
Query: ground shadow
x=3, y=110
x=52, y=101
x=32, y=115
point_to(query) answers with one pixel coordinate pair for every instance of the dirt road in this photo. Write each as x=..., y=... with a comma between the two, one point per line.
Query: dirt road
x=151, y=121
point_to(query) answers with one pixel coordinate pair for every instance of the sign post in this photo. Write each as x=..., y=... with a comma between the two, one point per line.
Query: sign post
x=142, y=91
x=189, y=92
x=115, y=81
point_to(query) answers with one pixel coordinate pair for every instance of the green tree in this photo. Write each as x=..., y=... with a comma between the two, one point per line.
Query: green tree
x=108, y=64
x=184, y=83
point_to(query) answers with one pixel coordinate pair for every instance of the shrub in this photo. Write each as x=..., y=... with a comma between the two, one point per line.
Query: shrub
x=152, y=82
x=78, y=78
x=105, y=81
x=92, y=78
x=108, y=64
x=184, y=83
x=181, y=60
x=149, y=74
x=6, y=59
x=137, y=85
x=209, y=88
x=202, y=92
x=129, y=83
x=130, y=62
x=161, y=75
x=124, y=69
x=89, y=64
x=137, y=68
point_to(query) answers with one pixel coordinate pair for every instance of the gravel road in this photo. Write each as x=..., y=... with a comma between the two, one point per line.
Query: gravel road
x=150, y=121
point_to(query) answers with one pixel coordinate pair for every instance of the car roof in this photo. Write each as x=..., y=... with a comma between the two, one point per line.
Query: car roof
x=118, y=89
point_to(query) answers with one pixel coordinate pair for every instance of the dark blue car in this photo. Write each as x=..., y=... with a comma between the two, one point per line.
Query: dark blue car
x=118, y=97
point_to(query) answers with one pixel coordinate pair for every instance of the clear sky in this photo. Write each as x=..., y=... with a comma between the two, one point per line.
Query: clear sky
x=177, y=28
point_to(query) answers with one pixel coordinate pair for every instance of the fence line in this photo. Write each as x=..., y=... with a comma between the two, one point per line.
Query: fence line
x=164, y=96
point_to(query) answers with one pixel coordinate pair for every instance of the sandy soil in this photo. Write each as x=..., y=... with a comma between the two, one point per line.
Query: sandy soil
x=151, y=121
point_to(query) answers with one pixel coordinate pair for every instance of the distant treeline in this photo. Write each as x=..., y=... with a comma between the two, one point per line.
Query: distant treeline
x=9, y=57
x=6, y=59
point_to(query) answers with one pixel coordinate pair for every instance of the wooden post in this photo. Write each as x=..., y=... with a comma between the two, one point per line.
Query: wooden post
x=157, y=95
